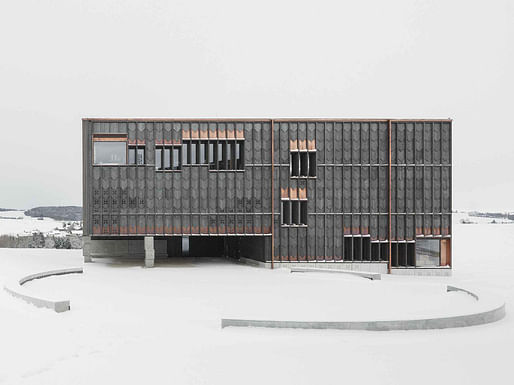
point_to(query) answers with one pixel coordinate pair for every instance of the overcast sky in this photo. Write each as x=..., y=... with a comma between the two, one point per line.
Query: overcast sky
x=64, y=60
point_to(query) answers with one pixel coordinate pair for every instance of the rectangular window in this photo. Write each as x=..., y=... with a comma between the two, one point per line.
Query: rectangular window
x=185, y=153
x=240, y=155
x=427, y=252
x=140, y=155
x=202, y=155
x=176, y=165
x=132, y=155
x=295, y=164
x=303, y=164
x=193, y=159
x=312, y=163
x=167, y=158
x=110, y=152
x=303, y=212
x=229, y=157
x=286, y=212
x=295, y=212
x=219, y=155
x=158, y=158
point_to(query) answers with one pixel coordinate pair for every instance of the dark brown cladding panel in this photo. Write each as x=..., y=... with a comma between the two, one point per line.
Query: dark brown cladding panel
x=347, y=191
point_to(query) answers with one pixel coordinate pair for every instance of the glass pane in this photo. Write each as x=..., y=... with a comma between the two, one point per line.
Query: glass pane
x=158, y=159
x=427, y=252
x=167, y=158
x=110, y=153
x=211, y=156
x=185, y=151
x=229, y=156
x=141, y=155
x=132, y=155
x=202, y=153
x=220, y=156
x=193, y=153
x=176, y=158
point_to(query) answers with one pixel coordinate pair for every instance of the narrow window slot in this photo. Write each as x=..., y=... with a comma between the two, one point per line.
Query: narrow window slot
x=303, y=212
x=158, y=158
x=167, y=158
x=295, y=212
x=185, y=153
x=312, y=163
x=295, y=164
x=201, y=154
x=193, y=157
x=348, y=248
x=286, y=212
x=304, y=164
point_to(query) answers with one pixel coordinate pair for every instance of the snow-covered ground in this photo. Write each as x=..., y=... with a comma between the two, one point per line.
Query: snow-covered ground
x=17, y=223
x=133, y=325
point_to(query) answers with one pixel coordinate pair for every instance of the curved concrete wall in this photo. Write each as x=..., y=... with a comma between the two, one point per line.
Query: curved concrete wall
x=494, y=310
x=59, y=306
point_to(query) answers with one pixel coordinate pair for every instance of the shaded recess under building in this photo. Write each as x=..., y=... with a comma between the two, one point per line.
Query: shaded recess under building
x=363, y=194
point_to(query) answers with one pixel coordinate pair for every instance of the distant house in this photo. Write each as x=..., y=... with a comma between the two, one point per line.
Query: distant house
x=369, y=194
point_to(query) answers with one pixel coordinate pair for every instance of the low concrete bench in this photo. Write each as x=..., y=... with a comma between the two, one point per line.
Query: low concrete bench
x=58, y=306
x=363, y=274
x=492, y=309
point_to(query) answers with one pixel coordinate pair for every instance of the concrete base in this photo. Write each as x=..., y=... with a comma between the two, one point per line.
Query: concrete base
x=372, y=267
x=86, y=248
x=423, y=271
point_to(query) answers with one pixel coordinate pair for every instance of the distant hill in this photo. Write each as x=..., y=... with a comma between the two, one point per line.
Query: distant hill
x=60, y=213
x=2, y=209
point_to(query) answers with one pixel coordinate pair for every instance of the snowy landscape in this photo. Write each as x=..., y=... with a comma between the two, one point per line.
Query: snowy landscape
x=162, y=325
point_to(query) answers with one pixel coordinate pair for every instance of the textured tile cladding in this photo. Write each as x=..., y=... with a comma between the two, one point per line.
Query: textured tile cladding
x=350, y=190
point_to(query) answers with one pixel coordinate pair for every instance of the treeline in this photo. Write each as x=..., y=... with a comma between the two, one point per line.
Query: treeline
x=60, y=213
x=40, y=241
x=492, y=215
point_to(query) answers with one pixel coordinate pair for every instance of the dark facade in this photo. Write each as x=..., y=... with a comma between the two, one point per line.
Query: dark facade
x=332, y=190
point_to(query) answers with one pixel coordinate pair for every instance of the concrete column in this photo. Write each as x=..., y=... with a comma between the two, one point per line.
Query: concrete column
x=149, y=252
x=86, y=248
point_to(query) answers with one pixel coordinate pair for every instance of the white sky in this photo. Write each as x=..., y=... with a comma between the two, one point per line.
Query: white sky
x=64, y=60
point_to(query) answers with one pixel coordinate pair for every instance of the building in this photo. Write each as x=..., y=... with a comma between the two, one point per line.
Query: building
x=369, y=194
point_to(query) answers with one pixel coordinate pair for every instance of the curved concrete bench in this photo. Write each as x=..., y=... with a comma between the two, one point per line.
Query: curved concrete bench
x=363, y=274
x=494, y=311
x=58, y=306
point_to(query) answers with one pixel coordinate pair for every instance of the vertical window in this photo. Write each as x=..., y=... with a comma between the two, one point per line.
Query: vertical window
x=286, y=212
x=221, y=157
x=228, y=163
x=295, y=212
x=132, y=155
x=185, y=152
x=312, y=163
x=176, y=158
x=158, y=158
x=303, y=212
x=202, y=155
x=193, y=154
x=295, y=163
x=167, y=158
x=212, y=155
x=140, y=155
x=240, y=155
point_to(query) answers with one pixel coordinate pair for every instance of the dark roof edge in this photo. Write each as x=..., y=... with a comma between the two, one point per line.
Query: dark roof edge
x=124, y=120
